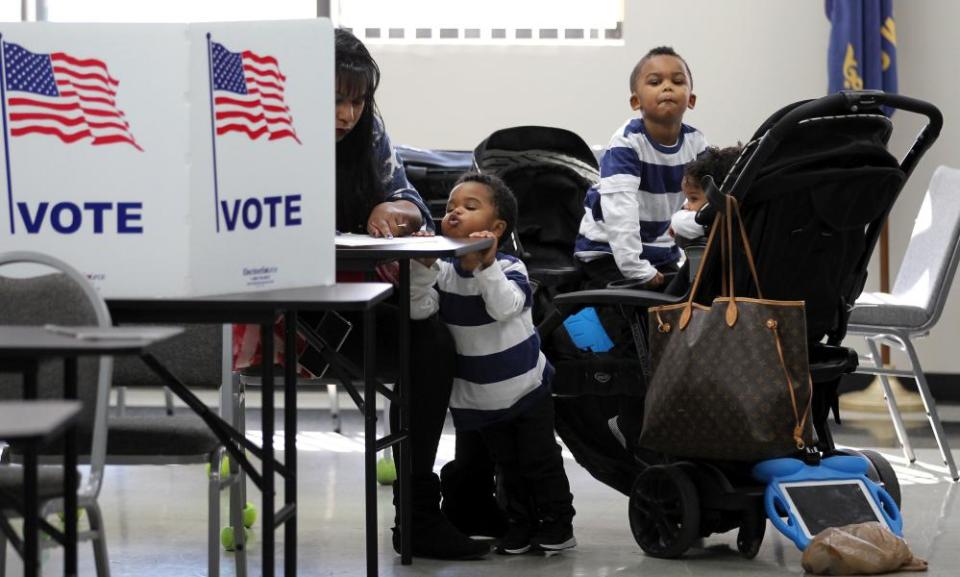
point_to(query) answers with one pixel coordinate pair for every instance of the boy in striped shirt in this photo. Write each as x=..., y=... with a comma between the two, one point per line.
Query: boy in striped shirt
x=502, y=383
x=624, y=230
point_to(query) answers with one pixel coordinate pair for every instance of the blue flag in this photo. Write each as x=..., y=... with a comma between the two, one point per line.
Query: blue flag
x=863, y=45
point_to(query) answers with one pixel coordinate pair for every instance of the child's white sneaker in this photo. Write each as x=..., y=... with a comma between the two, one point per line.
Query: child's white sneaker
x=615, y=430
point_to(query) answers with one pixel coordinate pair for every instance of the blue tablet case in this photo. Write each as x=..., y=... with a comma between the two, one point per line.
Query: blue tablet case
x=586, y=331
x=773, y=472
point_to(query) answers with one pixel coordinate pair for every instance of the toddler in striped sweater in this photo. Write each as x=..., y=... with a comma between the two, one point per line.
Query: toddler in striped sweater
x=502, y=383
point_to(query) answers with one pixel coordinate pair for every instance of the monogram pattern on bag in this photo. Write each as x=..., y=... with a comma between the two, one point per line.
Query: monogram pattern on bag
x=719, y=392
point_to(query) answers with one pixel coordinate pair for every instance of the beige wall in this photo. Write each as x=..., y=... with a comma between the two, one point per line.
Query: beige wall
x=928, y=55
x=749, y=58
x=746, y=63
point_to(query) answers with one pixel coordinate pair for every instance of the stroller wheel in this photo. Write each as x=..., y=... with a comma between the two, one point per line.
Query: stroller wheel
x=879, y=471
x=750, y=536
x=664, y=511
x=885, y=474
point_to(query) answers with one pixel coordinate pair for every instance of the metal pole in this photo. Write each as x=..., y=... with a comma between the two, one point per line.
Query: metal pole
x=885, y=278
x=213, y=133
x=6, y=137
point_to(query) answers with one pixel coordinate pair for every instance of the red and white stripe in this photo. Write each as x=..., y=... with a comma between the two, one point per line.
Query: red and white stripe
x=86, y=108
x=263, y=110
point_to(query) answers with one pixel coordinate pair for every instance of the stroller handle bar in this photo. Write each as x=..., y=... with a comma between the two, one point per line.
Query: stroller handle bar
x=843, y=102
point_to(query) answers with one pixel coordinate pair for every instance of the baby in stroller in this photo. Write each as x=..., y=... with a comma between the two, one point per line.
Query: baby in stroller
x=714, y=162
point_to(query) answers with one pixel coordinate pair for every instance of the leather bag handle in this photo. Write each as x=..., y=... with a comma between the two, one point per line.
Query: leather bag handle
x=724, y=222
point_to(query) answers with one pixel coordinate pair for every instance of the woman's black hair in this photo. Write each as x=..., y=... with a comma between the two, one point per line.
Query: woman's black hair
x=359, y=187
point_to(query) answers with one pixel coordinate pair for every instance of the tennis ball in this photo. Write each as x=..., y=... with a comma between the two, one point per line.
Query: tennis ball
x=63, y=516
x=386, y=471
x=249, y=515
x=224, y=468
x=226, y=537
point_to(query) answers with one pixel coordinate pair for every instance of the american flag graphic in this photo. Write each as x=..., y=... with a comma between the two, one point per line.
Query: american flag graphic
x=248, y=95
x=64, y=96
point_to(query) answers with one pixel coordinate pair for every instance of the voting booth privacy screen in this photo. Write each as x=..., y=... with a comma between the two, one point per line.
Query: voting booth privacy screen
x=171, y=160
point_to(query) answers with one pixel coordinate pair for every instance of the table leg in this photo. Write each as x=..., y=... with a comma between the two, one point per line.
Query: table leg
x=370, y=440
x=30, y=381
x=405, y=388
x=31, y=512
x=290, y=443
x=70, y=476
x=267, y=461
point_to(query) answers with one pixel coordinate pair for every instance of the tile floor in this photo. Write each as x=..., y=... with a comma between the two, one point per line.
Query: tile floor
x=156, y=517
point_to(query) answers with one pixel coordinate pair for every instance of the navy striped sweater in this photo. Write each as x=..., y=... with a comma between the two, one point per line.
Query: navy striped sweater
x=500, y=368
x=628, y=213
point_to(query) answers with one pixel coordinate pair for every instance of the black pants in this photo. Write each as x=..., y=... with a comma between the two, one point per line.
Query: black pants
x=432, y=358
x=533, y=482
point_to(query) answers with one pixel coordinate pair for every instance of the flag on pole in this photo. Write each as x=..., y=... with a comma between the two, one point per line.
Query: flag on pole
x=248, y=95
x=73, y=99
x=862, y=54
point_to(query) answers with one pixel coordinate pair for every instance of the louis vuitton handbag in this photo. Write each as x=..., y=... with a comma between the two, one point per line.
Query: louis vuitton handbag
x=730, y=381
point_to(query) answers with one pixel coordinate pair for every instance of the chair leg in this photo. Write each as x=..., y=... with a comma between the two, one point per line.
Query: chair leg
x=238, y=489
x=168, y=400
x=3, y=554
x=99, y=542
x=121, y=401
x=334, y=406
x=213, y=515
x=892, y=407
x=931, y=408
x=237, y=503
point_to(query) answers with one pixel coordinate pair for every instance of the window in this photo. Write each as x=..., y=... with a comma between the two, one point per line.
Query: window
x=481, y=21
x=177, y=10
x=10, y=11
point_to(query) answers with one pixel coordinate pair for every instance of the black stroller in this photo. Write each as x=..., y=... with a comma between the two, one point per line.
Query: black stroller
x=815, y=184
x=549, y=171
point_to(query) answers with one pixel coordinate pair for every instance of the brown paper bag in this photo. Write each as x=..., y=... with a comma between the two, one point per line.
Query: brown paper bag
x=860, y=549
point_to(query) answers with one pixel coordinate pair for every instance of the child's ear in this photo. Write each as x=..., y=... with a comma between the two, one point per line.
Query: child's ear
x=499, y=226
x=692, y=101
x=635, y=102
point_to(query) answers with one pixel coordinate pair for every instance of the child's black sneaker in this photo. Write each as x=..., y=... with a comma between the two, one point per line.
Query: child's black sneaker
x=516, y=541
x=554, y=536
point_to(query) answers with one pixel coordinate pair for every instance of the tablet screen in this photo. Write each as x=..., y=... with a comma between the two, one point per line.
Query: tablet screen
x=823, y=504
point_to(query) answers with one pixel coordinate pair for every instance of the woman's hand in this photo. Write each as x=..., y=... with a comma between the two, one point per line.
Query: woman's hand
x=480, y=259
x=394, y=218
x=427, y=262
